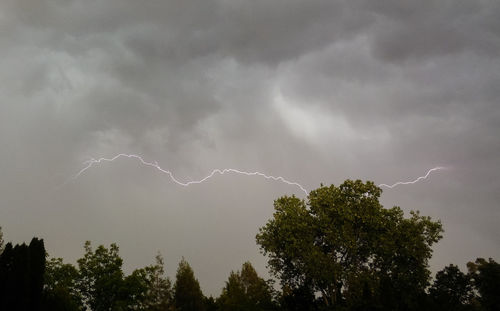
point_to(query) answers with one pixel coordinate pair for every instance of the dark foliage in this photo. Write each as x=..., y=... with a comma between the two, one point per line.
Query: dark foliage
x=452, y=290
x=246, y=291
x=486, y=277
x=187, y=291
x=344, y=246
x=21, y=276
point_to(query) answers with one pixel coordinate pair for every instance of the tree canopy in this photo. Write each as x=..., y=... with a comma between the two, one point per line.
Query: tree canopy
x=485, y=275
x=187, y=291
x=246, y=291
x=345, y=246
x=101, y=277
x=61, y=287
x=452, y=290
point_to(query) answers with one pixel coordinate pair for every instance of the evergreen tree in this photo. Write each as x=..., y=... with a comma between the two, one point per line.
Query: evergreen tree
x=187, y=291
x=159, y=292
x=21, y=276
x=36, y=268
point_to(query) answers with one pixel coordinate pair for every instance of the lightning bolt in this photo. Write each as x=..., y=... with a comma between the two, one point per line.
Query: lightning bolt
x=155, y=165
x=437, y=168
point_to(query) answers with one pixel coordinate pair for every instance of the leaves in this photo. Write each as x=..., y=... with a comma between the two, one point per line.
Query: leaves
x=452, y=289
x=187, y=291
x=100, y=277
x=342, y=244
x=246, y=291
x=61, y=284
x=485, y=275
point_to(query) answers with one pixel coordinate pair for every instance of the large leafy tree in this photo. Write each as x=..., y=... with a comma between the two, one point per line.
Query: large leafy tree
x=187, y=291
x=343, y=245
x=246, y=291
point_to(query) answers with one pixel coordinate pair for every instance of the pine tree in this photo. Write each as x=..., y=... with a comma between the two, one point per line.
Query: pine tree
x=187, y=291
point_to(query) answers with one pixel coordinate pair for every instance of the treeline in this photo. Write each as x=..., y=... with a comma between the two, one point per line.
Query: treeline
x=30, y=280
x=338, y=250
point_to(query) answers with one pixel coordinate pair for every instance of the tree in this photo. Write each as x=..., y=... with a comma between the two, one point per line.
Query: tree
x=21, y=276
x=452, y=290
x=187, y=291
x=246, y=291
x=100, y=279
x=36, y=268
x=159, y=295
x=60, y=286
x=486, y=278
x=149, y=289
x=343, y=245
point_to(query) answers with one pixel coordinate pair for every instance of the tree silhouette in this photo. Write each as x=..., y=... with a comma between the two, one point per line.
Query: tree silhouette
x=21, y=276
x=452, y=290
x=246, y=291
x=60, y=289
x=101, y=277
x=486, y=278
x=187, y=291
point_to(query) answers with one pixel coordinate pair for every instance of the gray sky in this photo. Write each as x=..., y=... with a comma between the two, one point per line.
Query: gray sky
x=314, y=91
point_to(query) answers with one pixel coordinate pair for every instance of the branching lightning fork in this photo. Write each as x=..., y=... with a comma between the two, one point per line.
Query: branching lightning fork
x=437, y=168
x=155, y=165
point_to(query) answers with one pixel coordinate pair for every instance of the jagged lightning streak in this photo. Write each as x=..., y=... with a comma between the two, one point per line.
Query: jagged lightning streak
x=155, y=165
x=437, y=168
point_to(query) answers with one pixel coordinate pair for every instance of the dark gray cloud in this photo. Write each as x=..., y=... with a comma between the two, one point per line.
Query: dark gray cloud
x=315, y=91
x=438, y=28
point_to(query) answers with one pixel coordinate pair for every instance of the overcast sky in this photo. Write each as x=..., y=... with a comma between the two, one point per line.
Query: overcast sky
x=314, y=91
